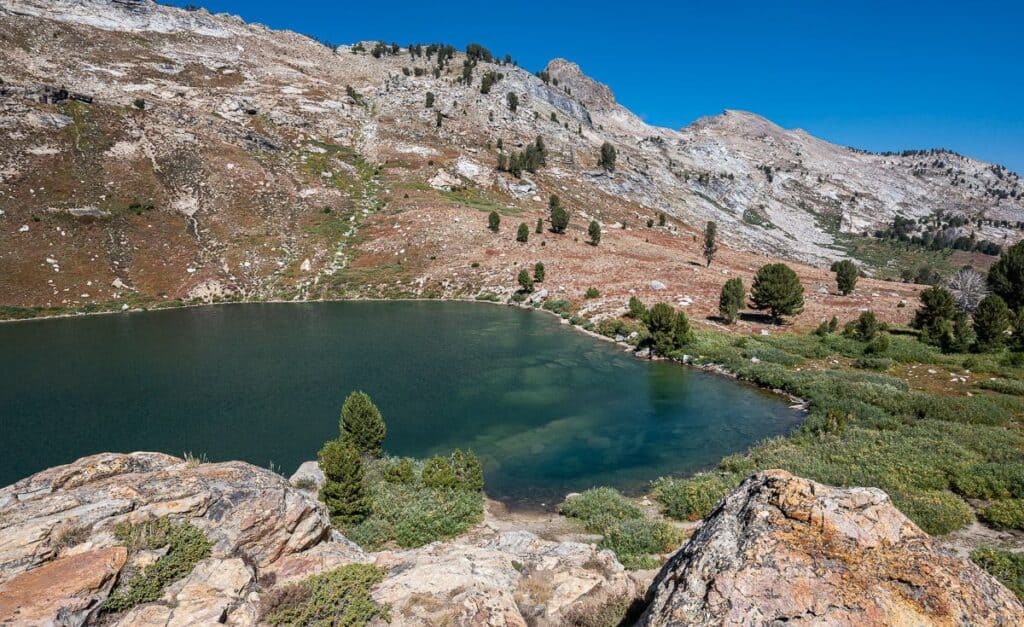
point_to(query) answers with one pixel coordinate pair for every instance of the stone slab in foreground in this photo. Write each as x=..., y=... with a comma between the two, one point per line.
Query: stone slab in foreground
x=781, y=549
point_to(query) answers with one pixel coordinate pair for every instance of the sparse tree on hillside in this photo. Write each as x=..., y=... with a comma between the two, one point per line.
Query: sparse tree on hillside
x=362, y=425
x=846, y=275
x=934, y=318
x=661, y=320
x=637, y=310
x=343, y=491
x=661, y=219
x=1006, y=276
x=681, y=332
x=607, y=158
x=430, y=100
x=594, y=231
x=777, y=289
x=710, y=246
x=525, y=281
x=991, y=322
x=538, y=272
x=493, y=221
x=540, y=226
x=438, y=118
x=968, y=287
x=731, y=299
x=513, y=101
x=523, y=233
x=559, y=216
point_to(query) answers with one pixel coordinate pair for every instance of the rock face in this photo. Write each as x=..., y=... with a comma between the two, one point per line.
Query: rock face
x=784, y=549
x=59, y=558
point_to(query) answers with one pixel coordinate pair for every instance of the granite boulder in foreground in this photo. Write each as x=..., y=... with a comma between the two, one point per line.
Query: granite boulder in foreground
x=781, y=549
x=59, y=558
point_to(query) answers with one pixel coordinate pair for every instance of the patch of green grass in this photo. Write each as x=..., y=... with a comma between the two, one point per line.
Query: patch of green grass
x=754, y=218
x=991, y=481
x=890, y=258
x=1005, y=566
x=1003, y=386
x=186, y=546
x=339, y=597
x=479, y=200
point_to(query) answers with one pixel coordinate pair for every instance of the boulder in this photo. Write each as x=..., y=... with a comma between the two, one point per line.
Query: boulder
x=59, y=557
x=781, y=549
x=308, y=472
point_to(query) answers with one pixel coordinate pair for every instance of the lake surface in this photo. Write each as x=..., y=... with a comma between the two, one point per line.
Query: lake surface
x=549, y=410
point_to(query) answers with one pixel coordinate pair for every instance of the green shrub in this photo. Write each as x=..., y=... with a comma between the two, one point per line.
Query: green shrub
x=558, y=306
x=339, y=597
x=634, y=541
x=873, y=363
x=597, y=508
x=777, y=288
x=936, y=512
x=1007, y=513
x=592, y=293
x=692, y=498
x=400, y=471
x=372, y=534
x=1004, y=386
x=1006, y=566
x=186, y=546
x=991, y=481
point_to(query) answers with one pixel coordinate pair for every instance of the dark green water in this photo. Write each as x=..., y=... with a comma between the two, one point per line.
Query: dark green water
x=549, y=410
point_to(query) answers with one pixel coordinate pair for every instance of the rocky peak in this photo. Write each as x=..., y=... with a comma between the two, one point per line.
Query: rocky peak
x=596, y=96
x=784, y=549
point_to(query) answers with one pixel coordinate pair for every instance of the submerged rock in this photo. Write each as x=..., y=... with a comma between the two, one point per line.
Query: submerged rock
x=781, y=549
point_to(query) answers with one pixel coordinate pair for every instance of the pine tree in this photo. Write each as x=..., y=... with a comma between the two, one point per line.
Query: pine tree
x=637, y=311
x=661, y=219
x=513, y=101
x=343, y=491
x=731, y=299
x=682, y=334
x=525, y=281
x=846, y=275
x=523, y=234
x=540, y=226
x=430, y=100
x=710, y=247
x=493, y=221
x=934, y=318
x=538, y=272
x=661, y=322
x=607, y=158
x=777, y=289
x=361, y=424
x=594, y=231
x=991, y=322
x=1006, y=276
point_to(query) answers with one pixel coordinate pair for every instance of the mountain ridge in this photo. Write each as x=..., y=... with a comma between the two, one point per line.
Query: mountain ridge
x=246, y=135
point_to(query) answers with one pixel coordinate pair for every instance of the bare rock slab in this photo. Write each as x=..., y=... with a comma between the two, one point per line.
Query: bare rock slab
x=784, y=549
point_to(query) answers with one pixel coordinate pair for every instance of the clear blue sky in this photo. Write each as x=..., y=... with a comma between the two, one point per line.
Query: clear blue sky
x=875, y=75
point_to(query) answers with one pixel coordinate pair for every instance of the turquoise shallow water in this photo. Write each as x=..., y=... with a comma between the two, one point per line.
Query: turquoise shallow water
x=549, y=410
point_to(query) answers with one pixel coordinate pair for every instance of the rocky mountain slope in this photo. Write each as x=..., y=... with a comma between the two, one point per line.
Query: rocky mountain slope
x=153, y=153
x=779, y=548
